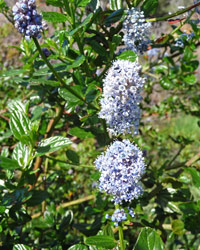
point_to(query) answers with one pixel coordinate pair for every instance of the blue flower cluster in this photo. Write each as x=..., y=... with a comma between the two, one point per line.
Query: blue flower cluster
x=136, y=31
x=120, y=215
x=183, y=37
x=121, y=97
x=121, y=168
x=27, y=20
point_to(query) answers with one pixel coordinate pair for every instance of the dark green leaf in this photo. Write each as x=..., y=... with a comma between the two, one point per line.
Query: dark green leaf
x=77, y=63
x=54, y=17
x=80, y=133
x=114, y=17
x=149, y=6
x=68, y=96
x=56, y=3
x=72, y=156
x=148, y=239
x=66, y=221
x=101, y=241
x=38, y=196
x=128, y=55
x=7, y=163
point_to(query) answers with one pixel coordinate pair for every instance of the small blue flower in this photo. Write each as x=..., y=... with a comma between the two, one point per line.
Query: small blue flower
x=120, y=215
x=121, y=168
x=136, y=31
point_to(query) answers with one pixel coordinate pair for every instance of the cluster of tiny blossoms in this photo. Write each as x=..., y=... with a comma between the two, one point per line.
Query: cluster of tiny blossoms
x=136, y=31
x=120, y=215
x=121, y=168
x=27, y=20
x=121, y=97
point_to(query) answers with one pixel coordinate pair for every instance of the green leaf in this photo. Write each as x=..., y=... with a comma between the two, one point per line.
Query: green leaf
x=78, y=247
x=22, y=154
x=149, y=6
x=114, y=17
x=148, y=239
x=20, y=126
x=38, y=196
x=178, y=227
x=14, y=72
x=77, y=63
x=80, y=133
x=98, y=48
x=54, y=17
x=56, y=3
x=128, y=55
x=7, y=163
x=190, y=79
x=195, y=176
x=72, y=156
x=66, y=221
x=101, y=241
x=21, y=247
x=2, y=209
x=45, y=82
x=52, y=144
x=19, y=106
x=116, y=4
x=68, y=96
x=83, y=25
x=166, y=83
x=83, y=3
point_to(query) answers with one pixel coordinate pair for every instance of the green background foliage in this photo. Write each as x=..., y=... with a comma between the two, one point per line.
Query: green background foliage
x=50, y=135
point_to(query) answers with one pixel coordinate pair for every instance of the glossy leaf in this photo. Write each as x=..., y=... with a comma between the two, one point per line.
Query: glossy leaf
x=101, y=241
x=128, y=55
x=54, y=17
x=52, y=144
x=148, y=239
x=7, y=163
x=80, y=133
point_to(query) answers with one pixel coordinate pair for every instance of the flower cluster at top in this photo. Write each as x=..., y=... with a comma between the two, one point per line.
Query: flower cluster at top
x=121, y=168
x=27, y=20
x=136, y=31
x=121, y=97
x=120, y=215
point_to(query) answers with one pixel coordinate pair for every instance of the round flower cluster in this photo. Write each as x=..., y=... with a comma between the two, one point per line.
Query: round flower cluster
x=120, y=215
x=121, y=97
x=136, y=31
x=121, y=168
x=27, y=20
